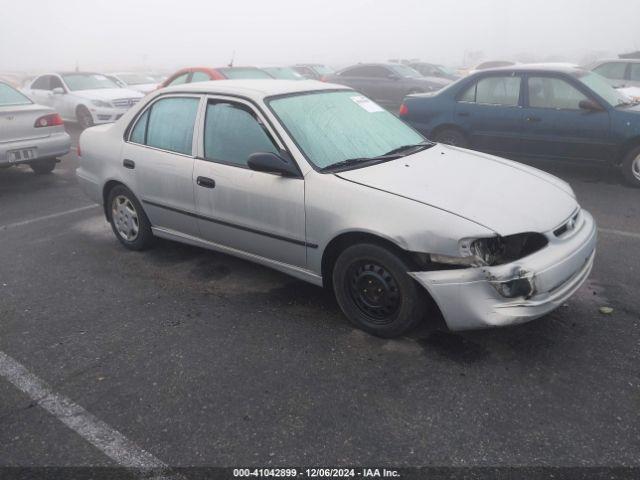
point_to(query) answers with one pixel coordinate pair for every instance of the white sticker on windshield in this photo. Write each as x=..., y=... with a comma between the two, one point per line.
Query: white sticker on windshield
x=367, y=104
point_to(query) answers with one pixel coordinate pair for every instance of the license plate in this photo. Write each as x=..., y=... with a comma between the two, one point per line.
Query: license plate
x=22, y=155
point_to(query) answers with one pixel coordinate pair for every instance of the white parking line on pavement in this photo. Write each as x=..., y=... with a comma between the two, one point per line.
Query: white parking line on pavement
x=109, y=441
x=621, y=233
x=47, y=217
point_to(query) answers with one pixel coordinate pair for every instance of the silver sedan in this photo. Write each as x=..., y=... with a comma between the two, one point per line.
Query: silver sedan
x=318, y=181
x=29, y=133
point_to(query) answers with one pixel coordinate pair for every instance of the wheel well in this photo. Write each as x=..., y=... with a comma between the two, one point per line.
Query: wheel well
x=80, y=108
x=345, y=240
x=626, y=148
x=105, y=195
x=447, y=126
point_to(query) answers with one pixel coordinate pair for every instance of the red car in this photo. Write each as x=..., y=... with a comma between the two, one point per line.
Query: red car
x=205, y=74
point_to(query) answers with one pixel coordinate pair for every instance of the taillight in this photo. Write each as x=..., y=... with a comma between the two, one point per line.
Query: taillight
x=404, y=110
x=51, y=120
x=323, y=78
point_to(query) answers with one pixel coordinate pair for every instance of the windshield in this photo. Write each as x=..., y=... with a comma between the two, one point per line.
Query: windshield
x=10, y=96
x=283, y=73
x=598, y=84
x=88, y=81
x=405, y=71
x=323, y=69
x=135, y=79
x=244, y=73
x=330, y=127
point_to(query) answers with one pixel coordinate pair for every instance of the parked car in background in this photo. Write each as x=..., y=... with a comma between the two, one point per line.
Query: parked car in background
x=135, y=81
x=525, y=111
x=264, y=170
x=83, y=97
x=205, y=74
x=386, y=83
x=434, y=70
x=29, y=133
x=283, y=73
x=313, y=71
x=619, y=73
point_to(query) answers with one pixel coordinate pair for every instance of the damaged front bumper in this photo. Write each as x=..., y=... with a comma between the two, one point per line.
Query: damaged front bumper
x=516, y=292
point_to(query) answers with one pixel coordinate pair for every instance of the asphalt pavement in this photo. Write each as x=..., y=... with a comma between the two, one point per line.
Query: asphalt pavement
x=201, y=359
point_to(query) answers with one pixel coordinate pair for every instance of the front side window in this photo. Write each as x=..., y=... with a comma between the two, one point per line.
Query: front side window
x=56, y=83
x=11, y=96
x=232, y=132
x=168, y=125
x=330, y=127
x=494, y=90
x=200, y=77
x=612, y=70
x=88, y=81
x=601, y=87
x=41, y=83
x=549, y=92
x=179, y=80
x=634, y=73
x=405, y=71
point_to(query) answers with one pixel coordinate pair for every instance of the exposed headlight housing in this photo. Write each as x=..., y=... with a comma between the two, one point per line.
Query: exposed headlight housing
x=489, y=251
x=101, y=103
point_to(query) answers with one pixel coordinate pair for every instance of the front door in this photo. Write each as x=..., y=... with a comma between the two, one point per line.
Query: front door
x=555, y=126
x=158, y=162
x=254, y=212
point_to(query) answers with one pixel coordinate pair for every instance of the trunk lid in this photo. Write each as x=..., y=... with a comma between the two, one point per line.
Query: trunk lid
x=17, y=122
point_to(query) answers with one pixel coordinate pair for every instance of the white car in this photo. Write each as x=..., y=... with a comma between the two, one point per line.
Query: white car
x=86, y=98
x=134, y=81
x=318, y=181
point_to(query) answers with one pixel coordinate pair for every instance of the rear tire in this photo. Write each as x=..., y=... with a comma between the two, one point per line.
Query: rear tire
x=43, y=167
x=85, y=119
x=375, y=292
x=128, y=220
x=631, y=167
x=451, y=136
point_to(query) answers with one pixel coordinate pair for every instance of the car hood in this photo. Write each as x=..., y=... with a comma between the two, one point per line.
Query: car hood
x=504, y=196
x=108, y=94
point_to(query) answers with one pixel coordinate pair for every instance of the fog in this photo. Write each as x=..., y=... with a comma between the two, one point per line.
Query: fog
x=165, y=34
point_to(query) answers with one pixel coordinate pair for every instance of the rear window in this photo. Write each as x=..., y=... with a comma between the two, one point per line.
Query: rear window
x=244, y=73
x=10, y=96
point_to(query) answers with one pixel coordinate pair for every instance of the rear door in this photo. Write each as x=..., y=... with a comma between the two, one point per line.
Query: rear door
x=490, y=111
x=158, y=160
x=254, y=212
x=634, y=74
x=365, y=79
x=555, y=126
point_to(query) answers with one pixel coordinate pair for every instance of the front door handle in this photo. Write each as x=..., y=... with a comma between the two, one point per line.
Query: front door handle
x=206, y=182
x=463, y=114
x=126, y=163
x=533, y=119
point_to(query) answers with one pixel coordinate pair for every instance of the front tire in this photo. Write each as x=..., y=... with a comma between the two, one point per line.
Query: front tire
x=128, y=220
x=375, y=292
x=631, y=167
x=452, y=137
x=43, y=167
x=85, y=119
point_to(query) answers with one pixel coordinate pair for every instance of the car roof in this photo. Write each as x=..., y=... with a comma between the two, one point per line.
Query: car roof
x=254, y=89
x=540, y=67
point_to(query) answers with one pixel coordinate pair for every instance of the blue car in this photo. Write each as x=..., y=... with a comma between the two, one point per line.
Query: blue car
x=562, y=113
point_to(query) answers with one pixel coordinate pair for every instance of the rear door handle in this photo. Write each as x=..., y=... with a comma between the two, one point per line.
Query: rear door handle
x=533, y=119
x=126, y=163
x=206, y=182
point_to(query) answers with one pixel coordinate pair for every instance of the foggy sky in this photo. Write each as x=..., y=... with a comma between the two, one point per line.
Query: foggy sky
x=40, y=35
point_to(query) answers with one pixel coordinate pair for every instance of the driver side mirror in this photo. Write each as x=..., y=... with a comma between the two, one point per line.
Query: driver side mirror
x=590, y=106
x=58, y=91
x=269, y=162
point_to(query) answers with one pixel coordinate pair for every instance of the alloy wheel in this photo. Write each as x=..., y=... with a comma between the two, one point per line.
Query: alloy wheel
x=125, y=218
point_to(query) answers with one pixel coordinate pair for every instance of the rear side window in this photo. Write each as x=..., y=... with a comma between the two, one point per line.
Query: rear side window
x=10, y=96
x=200, y=77
x=168, y=125
x=549, y=92
x=503, y=90
x=612, y=70
x=232, y=133
x=179, y=80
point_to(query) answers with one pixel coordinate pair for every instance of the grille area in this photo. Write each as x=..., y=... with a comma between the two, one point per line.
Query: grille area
x=568, y=226
x=125, y=102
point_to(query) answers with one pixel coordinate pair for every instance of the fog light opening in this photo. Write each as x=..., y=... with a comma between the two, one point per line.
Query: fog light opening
x=517, y=287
